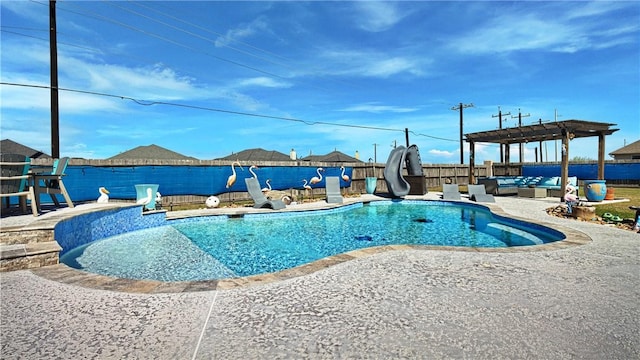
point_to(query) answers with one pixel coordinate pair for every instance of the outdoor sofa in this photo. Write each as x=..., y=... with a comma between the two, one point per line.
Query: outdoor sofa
x=509, y=185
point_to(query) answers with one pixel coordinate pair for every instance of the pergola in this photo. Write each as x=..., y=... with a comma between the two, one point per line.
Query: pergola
x=560, y=130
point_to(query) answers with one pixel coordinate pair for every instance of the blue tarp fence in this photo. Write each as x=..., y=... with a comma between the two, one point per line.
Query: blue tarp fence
x=83, y=182
x=587, y=171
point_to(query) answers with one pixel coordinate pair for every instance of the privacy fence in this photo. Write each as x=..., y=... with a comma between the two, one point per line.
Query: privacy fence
x=188, y=181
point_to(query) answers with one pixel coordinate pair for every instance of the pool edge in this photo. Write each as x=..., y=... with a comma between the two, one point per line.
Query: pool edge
x=64, y=274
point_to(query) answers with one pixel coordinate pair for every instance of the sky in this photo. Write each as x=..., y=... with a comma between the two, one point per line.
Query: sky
x=207, y=79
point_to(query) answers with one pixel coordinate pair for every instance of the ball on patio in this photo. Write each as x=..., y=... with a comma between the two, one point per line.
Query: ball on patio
x=212, y=202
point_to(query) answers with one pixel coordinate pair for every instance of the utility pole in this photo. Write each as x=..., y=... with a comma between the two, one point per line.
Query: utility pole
x=460, y=107
x=53, y=55
x=406, y=136
x=499, y=116
x=375, y=155
x=520, y=116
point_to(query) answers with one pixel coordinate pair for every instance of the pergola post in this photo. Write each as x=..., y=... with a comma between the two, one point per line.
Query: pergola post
x=564, y=165
x=472, y=160
x=507, y=157
x=600, y=156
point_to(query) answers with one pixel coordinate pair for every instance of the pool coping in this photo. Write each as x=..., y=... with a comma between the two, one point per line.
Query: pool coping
x=67, y=275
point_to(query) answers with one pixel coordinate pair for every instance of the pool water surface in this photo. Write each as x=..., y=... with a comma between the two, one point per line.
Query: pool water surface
x=221, y=247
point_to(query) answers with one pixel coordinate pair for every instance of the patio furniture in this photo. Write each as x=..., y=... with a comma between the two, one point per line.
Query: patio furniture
x=261, y=201
x=450, y=192
x=51, y=183
x=16, y=181
x=478, y=193
x=332, y=184
x=532, y=192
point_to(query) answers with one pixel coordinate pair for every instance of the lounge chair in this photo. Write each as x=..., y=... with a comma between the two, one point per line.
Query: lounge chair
x=479, y=194
x=450, y=192
x=51, y=183
x=15, y=181
x=332, y=184
x=261, y=201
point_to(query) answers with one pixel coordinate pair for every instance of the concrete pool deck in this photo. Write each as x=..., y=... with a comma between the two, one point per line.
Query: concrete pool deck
x=572, y=302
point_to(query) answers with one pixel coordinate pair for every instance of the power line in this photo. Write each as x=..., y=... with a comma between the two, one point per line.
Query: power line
x=59, y=43
x=290, y=67
x=189, y=32
x=157, y=36
x=197, y=107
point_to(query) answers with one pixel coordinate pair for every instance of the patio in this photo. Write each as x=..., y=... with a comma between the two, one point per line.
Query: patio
x=574, y=302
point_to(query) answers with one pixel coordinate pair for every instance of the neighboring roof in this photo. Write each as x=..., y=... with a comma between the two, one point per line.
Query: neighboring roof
x=257, y=155
x=542, y=132
x=153, y=152
x=11, y=147
x=631, y=149
x=334, y=156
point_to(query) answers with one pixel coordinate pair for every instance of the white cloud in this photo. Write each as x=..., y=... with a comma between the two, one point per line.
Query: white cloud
x=376, y=16
x=371, y=64
x=442, y=153
x=242, y=32
x=570, y=29
x=264, y=82
x=375, y=108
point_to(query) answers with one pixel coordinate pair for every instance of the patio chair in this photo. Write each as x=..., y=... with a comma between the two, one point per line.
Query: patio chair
x=261, y=201
x=332, y=184
x=479, y=194
x=450, y=192
x=15, y=181
x=51, y=183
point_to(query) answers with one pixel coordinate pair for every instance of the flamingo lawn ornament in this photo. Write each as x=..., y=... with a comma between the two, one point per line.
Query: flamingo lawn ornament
x=570, y=198
x=316, y=179
x=268, y=188
x=104, y=195
x=305, y=185
x=252, y=173
x=232, y=178
x=344, y=177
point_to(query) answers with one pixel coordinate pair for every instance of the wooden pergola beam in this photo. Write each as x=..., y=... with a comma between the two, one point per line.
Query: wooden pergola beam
x=561, y=130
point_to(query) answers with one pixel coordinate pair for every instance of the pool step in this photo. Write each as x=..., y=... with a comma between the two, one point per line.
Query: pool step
x=27, y=249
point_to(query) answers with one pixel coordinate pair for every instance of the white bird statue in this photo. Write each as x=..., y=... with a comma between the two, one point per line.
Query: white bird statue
x=344, y=177
x=232, y=178
x=104, y=195
x=147, y=199
x=316, y=179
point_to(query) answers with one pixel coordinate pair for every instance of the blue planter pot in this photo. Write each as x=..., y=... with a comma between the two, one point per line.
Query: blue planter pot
x=595, y=190
x=370, y=184
x=143, y=193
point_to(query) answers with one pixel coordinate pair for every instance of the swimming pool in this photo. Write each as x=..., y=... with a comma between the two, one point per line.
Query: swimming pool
x=217, y=247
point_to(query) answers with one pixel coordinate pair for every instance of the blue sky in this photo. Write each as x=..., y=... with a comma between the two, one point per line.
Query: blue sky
x=213, y=78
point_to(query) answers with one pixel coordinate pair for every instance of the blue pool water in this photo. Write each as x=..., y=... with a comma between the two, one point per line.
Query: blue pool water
x=222, y=247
